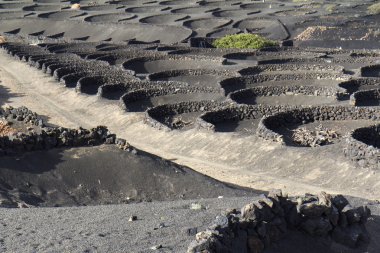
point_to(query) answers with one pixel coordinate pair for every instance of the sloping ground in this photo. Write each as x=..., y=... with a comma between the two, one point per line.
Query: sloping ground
x=107, y=229
x=245, y=160
x=276, y=77
x=346, y=25
x=102, y=175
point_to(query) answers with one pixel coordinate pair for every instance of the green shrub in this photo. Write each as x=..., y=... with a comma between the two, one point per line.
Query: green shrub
x=244, y=40
x=374, y=9
x=330, y=7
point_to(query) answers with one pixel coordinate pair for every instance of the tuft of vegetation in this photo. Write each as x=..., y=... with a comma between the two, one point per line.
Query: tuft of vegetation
x=75, y=6
x=244, y=41
x=374, y=9
x=330, y=7
x=3, y=40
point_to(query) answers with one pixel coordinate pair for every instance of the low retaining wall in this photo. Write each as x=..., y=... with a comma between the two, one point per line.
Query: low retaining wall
x=63, y=71
x=362, y=146
x=370, y=71
x=282, y=52
x=283, y=90
x=143, y=94
x=267, y=67
x=32, y=59
x=105, y=90
x=264, y=222
x=49, y=137
x=41, y=58
x=270, y=124
x=237, y=83
x=53, y=67
x=154, y=116
x=99, y=78
x=20, y=50
x=242, y=82
x=71, y=80
x=160, y=56
x=52, y=137
x=71, y=46
x=233, y=112
x=119, y=55
x=191, y=72
x=91, y=82
x=201, y=42
x=293, y=59
x=364, y=98
x=265, y=77
x=353, y=85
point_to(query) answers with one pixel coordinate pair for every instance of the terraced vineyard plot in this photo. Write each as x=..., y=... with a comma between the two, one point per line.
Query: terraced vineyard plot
x=302, y=116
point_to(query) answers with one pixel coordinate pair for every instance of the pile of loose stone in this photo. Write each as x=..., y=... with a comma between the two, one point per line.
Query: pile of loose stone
x=314, y=138
x=264, y=222
x=21, y=114
x=52, y=137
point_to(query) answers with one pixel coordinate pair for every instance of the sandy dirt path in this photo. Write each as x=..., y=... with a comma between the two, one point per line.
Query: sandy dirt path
x=243, y=160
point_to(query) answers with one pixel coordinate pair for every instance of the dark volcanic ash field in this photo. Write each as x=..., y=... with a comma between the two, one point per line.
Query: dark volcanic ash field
x=206, y=129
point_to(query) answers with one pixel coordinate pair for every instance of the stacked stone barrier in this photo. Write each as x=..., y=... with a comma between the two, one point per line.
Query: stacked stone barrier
x=267, y=67
x=234, y=112
x=155, y=116
x=41, y=59
x=96, y=81
x=240, y=95
x=264, y=222
x=142, y=94
x=318, y=60
x=364, y=97
x=370, y=71
x=51, y=137
x=191, y=72
x=247, y=81
x=71, y=80
x=159, y=56
x=269, y=125
x=118, y=55
x=266, y=77
x=106, y=89
x=282, y=54
x=353, y=85
x=285, y=55
x=362, y=147
x=71, y=47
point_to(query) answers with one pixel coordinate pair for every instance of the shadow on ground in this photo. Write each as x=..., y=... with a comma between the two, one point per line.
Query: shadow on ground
x=5, y=95
x=106, y=175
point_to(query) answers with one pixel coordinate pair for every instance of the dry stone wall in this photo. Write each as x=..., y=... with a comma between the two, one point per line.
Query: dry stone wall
x=51, y=137
x=284, y=90
x=269, y=125
x=362, y=147
x=365, y=97
x=262, y=223
x=154, y=116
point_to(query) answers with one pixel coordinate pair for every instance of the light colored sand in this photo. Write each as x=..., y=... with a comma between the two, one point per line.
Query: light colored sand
x=243, y=160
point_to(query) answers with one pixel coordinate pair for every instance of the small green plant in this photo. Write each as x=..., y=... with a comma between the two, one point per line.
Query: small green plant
x=244, y=41
x=374, y=9
x=330, y=7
